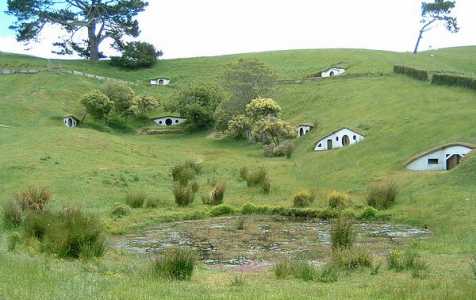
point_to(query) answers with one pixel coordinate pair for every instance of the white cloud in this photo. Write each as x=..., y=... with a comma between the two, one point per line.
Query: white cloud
x=185, y=28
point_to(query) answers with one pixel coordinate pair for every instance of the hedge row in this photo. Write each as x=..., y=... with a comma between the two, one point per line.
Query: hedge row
x=411, y=72
x=454, y=80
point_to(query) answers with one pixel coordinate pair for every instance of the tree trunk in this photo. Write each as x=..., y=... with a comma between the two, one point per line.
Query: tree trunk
x=418, y=42
x=93, y=42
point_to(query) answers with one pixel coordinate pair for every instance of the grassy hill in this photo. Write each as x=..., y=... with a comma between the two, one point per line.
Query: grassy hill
x=94, y=167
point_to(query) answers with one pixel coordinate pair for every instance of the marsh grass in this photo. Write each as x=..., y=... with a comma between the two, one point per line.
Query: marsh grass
x=175, y=264
x=408, y=260
x=34, y=198
x=136, y=199
x=12, y=214
x=303, y=199
x=342, y=235
x=383, y=195
x=183, y=194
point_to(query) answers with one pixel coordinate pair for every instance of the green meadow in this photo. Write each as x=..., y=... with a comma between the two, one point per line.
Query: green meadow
x=94, y=166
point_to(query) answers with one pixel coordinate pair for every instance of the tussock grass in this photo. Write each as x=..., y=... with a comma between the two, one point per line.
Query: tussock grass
x=175, y=264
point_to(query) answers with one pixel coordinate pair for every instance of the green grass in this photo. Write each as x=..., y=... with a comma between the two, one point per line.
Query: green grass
x=94, y=169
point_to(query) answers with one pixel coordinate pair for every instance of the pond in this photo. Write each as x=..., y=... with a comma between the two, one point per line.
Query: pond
x=254, y=242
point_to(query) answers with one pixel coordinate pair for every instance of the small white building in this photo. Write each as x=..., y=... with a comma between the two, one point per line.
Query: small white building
x=167, y=121
x=304, y=128
x=70, y=121
x=160, y=81
x=331, y=72
x=338, y=139
x=442, y=158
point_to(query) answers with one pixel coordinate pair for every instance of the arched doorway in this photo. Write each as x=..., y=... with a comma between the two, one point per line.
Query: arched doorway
x=331, y=74
x=345, y=140
x=301, y=131
x=168, y=122
x=453, y=161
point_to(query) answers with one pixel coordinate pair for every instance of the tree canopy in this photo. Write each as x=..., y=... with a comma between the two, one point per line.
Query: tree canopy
x=434, y=12
x=100, y=19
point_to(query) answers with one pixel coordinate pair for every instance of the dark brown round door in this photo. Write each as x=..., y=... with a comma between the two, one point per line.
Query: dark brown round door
x=345, y=140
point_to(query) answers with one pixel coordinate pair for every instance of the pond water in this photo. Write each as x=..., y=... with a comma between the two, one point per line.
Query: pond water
x=254, y=242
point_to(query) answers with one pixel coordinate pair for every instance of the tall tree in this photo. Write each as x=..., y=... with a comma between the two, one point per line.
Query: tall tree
x=101, y=19
x=434, y=12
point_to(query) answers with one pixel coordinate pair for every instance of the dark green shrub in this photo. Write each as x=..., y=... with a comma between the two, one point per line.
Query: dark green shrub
x=120, y=210
x=136, y=199
x=338, y=200
x=303, y=199
x=382, y=196
x=34, y=198
x=97, y=104
x=37, y=223
x=342, y=235
x=183, y=194
x=175, y=264
x=351, y=258
x=136, y=55
x=12, y=240
x=411, y=72
x=369, y=213
x=71, y=233
x=454, y=80
x=12, y=214
x=222, y=210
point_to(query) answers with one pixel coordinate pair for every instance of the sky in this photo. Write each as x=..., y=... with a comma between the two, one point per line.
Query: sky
x=189, y=28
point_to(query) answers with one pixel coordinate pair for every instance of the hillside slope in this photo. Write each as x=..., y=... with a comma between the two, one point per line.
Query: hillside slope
x=93, y=166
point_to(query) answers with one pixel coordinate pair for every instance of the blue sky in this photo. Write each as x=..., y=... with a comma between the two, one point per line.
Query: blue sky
x=215, y=27
x=5, y=20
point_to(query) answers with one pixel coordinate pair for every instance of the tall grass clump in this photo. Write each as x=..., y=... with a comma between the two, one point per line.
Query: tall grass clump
x=408, y=260
x=258, y=177
x=185, y=172
x=244, y=173
x=175, y=264
x=34, y=198
x=72, y=233
x=283, y=269
x=299, y=269
x=136, y=199
x=382, y=196
x=338, y=200
x=216, y=195
x=342, y=235
x=183, y=194
x=303, y=199
x=351, y=258
x=12, y=240
x=12, y=214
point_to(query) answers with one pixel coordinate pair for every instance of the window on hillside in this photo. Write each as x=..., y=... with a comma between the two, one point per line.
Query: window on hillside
x=433, y=161
x=354, y=137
